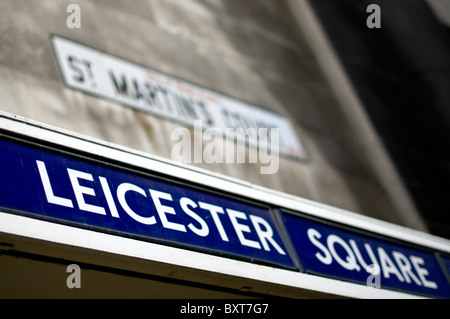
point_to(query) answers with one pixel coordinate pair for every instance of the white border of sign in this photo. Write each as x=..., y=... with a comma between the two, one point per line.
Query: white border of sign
x=27, y=227
x=81, y=238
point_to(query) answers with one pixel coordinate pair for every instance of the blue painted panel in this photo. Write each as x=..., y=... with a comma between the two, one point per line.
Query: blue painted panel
x=330, y=251
x=66, y=189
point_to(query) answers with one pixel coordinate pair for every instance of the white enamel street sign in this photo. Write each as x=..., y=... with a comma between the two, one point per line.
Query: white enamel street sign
x=103, y=75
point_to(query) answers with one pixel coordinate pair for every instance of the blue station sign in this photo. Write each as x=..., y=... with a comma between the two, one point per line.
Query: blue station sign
x=61, y=188
x=104, y=196
x=327, y=250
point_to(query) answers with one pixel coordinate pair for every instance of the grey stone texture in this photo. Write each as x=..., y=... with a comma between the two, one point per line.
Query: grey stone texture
x=250, y=50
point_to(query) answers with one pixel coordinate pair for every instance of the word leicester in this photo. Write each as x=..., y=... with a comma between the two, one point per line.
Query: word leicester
x=242, y=223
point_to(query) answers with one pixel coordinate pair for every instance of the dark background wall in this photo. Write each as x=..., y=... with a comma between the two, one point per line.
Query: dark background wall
x=401, y=72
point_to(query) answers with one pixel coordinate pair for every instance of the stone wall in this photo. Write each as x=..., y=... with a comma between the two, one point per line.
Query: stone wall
x=250, y=50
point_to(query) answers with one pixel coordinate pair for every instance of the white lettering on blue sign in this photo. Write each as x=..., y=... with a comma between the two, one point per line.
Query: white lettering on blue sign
x=74, y=191
x=163, y=202
x=404, y=268
x=71, y=190
x=345, y=254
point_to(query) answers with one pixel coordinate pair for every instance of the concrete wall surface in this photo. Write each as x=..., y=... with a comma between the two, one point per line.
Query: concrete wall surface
x=250, y=50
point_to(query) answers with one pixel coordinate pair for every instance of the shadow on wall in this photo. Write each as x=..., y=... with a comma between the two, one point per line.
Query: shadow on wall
x=269, y=40
x=401, y=73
